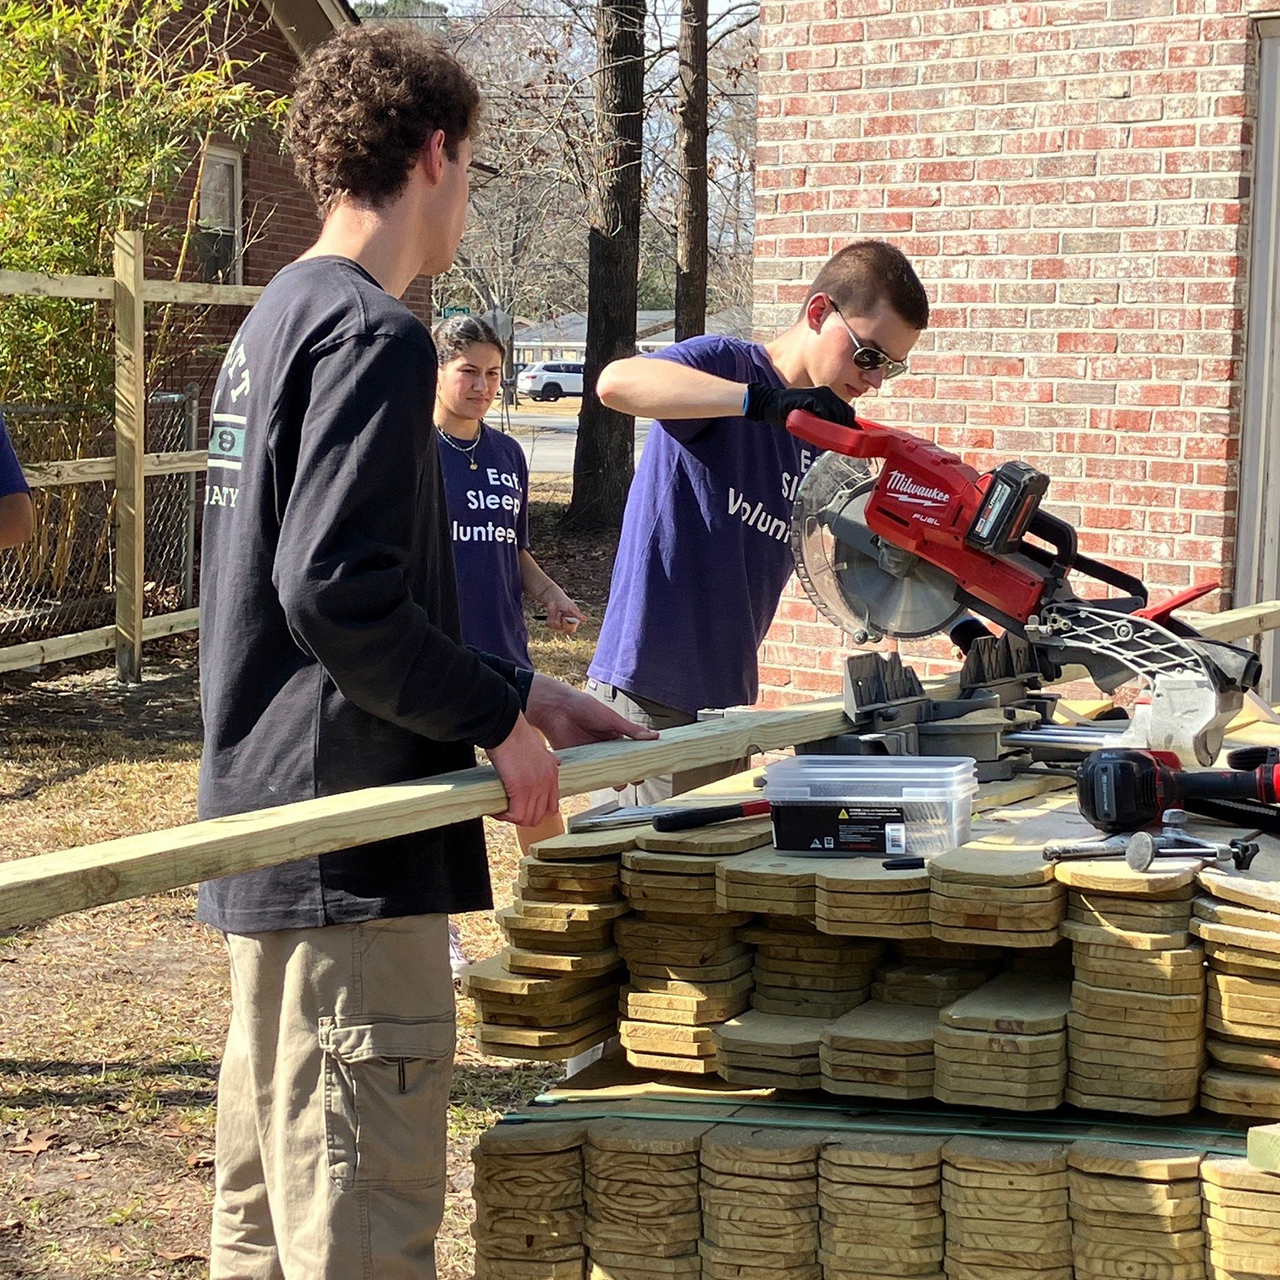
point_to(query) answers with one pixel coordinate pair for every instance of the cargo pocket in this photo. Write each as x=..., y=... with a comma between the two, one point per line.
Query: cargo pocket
x=386, y=1086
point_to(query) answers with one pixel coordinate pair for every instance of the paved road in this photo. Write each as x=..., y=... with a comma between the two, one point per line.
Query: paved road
x=549, y=441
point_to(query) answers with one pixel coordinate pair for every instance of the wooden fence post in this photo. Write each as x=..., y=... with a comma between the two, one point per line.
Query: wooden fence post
x=130, y=424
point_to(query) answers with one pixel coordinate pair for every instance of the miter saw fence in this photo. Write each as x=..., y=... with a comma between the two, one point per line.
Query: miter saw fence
x=892, y=715
x=895, y=536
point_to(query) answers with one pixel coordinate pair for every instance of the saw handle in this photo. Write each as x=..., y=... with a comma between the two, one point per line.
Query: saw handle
x=862, y=440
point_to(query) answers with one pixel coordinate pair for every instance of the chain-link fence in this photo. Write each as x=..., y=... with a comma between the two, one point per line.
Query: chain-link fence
x=62, y=581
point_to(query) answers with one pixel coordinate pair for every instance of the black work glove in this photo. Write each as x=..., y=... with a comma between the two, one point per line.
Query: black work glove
x=772, y=404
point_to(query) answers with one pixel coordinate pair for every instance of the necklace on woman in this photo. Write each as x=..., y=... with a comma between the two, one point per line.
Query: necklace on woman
x=469, y=450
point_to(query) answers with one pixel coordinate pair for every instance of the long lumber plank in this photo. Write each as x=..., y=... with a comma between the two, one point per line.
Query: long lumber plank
x=51, y=884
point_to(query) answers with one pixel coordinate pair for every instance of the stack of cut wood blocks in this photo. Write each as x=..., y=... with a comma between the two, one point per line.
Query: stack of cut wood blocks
x=1006, y=899
x=687, y=976
x=800, y=971
x=642, y=1209
x=1006, y=1210
x=1240, y=928
x=1135, y=1211
x=1136, y=1038
x=760, y=1203
x=880, y=1051
x=1242, y=1218
x=769, y=1050
x=1005, y=1044
x=761, y=1196
x=880, y=1197
x=528, y=1192
x=553, y=991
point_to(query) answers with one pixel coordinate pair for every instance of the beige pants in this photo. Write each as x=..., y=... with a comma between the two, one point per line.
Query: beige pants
x=332, y=1103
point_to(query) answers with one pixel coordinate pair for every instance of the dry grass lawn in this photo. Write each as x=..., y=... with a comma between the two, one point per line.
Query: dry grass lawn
x=112, y=1021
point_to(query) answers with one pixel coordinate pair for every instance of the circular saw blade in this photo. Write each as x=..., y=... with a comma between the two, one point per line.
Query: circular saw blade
x=846, y=576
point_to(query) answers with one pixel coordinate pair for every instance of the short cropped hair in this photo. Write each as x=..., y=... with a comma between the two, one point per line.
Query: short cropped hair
x=870, y=271
x=454, y=335
x=366, y=102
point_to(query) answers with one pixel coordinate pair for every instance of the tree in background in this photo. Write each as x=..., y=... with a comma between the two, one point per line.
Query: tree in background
x=602, y=461
x=105, y=106
x=691, y=162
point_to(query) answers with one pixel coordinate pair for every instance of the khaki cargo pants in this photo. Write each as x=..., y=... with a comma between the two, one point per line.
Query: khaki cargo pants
x=332, y=1103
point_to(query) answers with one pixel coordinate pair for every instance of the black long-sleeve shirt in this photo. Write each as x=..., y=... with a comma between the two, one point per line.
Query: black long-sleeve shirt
x=330, y=651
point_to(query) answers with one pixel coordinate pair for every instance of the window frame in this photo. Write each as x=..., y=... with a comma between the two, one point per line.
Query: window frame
x=228, y=155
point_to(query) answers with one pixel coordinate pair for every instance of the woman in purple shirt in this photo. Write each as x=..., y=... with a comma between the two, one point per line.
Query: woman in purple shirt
x=486, y=480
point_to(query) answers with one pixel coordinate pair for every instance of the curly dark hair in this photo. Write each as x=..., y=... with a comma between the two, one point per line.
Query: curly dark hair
x=366, y=102
x=867, y=271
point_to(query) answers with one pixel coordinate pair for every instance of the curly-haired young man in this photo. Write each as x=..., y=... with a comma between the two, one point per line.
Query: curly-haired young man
x=331, y=660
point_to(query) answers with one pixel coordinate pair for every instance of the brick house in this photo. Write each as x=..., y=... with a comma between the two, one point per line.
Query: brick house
x=255, y=217
x=1090, y=192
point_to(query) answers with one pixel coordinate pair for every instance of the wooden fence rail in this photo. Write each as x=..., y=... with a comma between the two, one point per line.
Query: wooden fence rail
x=129, y=292
x=51, y=884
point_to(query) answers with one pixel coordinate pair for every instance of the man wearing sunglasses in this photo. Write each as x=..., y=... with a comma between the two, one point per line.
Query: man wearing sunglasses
x=705, y=551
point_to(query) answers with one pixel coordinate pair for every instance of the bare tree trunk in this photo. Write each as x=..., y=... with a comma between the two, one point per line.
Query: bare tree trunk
x=691, y=157
x=602, y=460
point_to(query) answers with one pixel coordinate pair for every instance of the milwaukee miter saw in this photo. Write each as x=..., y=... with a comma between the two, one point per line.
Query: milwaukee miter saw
x=894, y=536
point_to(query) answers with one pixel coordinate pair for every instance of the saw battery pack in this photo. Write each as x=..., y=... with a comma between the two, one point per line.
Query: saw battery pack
x=870, y=806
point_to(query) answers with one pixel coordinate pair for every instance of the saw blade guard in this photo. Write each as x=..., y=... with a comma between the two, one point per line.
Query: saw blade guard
x=867, y=589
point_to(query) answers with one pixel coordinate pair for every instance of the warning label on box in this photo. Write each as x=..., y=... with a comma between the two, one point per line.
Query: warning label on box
x=836, y=829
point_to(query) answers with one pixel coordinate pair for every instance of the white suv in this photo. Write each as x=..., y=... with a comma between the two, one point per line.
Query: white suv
x=550, y=379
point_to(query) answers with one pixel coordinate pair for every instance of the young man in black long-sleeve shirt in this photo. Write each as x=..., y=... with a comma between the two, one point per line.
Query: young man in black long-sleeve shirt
x=330, y=661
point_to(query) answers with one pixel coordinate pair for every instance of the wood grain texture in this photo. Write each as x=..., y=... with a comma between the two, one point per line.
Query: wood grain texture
x=51, y=884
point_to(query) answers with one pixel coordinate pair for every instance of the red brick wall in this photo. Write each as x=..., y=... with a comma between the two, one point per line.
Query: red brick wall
x=1071, y=180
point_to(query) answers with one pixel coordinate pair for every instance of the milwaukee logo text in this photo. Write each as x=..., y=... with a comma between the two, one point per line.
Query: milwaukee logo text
x=906, y=489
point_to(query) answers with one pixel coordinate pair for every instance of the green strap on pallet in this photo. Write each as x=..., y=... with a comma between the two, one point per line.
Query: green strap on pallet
x=909, y=1121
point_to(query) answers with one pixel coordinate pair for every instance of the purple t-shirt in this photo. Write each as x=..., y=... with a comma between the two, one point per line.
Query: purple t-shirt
x=11, y=478
x=489, y=520
x=705, y=549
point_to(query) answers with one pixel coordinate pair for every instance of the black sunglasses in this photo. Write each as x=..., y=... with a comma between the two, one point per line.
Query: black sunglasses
x=866, y=357
x=481, y=174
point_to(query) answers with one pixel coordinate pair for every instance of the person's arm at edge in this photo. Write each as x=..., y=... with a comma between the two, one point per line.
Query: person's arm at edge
x=643, y=386
x=562, y=613
x=15, y=519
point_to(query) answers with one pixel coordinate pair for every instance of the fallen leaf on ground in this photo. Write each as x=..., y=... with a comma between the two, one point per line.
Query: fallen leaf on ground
x=35, y=1144
x=188, y=1255
x=200, y=1159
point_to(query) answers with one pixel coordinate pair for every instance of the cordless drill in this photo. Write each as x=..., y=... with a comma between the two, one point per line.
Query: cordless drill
x=1126, y=789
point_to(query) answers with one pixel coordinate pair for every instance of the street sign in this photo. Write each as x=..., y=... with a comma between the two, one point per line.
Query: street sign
x=456, y=311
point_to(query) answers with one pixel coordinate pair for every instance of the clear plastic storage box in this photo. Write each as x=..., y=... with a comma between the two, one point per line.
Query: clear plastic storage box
x=881, y=806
